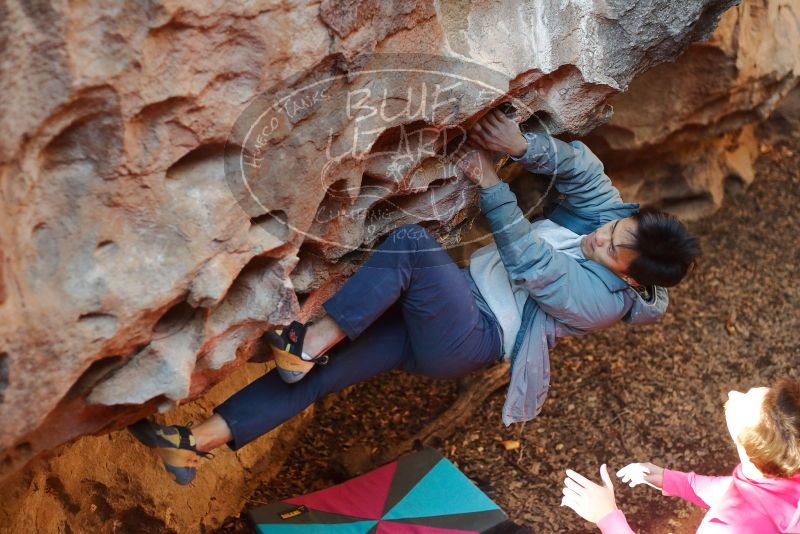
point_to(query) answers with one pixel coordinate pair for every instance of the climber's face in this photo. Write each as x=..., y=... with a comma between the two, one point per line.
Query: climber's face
x=613, y=246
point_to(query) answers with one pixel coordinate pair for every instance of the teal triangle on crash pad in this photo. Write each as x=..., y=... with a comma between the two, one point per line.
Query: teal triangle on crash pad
x=358, y=527
x=443, y=491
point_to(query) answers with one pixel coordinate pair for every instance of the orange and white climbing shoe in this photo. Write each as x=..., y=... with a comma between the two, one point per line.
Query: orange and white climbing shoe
x=287, y=347
x=175, y=445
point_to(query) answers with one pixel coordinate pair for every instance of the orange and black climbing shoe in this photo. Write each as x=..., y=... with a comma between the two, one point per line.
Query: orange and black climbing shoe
x=175, y=445
x=287, y=347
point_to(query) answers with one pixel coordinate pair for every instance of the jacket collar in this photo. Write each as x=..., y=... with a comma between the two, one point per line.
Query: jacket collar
x=612, y=281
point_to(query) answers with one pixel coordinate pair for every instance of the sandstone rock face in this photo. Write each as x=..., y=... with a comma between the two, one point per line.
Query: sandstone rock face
x=141, y=257
x=111, y=483
x=682, y=135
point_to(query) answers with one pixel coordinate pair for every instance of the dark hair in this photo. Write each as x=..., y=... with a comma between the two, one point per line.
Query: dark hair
x=773, y=445
x=667, y=251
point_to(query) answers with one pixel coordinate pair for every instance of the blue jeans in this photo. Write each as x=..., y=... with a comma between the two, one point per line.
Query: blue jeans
x=408, y=307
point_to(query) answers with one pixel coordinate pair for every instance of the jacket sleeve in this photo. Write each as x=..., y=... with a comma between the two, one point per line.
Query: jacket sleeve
x=701, y=490
x=560, y=285
x=614, y=523
x=579, y=173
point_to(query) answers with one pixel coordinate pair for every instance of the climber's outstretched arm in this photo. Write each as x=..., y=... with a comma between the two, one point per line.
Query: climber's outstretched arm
x=580, y=176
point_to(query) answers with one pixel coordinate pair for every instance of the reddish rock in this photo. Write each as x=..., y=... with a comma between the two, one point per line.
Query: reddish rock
x=681, y=137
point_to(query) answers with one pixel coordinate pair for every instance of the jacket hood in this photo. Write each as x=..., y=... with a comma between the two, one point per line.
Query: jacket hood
x=779, y=496
x=649, y=305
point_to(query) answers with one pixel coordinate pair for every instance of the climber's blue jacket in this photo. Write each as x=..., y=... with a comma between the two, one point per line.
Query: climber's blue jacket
x=539, y=294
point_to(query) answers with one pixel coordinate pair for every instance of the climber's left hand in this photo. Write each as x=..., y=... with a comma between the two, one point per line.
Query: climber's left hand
x=476, y=164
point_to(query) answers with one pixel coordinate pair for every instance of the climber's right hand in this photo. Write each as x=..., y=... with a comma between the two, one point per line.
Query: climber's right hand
x=497, y=133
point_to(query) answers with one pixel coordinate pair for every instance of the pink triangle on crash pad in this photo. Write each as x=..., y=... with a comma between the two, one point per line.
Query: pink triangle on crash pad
x=362, y=496
x=390, y=527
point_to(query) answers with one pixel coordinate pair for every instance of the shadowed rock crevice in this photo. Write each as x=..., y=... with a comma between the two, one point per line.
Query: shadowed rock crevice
x=138, y=519
x=96, y=372
x=106, y=245
x=5, y=373
x=686, y=206
x=94, y=140
x=55, y=487
x=197, y=161
x=275, y=223
x=20, y=452
x=177, y=318
x=734, y=185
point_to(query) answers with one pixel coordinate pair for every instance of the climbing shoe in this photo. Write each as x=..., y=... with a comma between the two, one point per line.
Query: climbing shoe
x=287, y=347
x=175, y=445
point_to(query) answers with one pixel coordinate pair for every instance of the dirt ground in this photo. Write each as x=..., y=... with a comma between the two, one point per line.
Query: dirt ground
x=652, y=393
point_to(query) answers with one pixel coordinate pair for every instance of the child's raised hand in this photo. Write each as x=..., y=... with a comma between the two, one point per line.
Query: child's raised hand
x=588, y=499
x=642, y=473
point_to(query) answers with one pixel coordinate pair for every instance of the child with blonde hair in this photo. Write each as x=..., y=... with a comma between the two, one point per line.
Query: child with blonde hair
x=760, y=497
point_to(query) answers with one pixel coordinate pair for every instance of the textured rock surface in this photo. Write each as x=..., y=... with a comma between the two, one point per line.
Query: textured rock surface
x=682, y=135
x=133, y=278
x=111, y=484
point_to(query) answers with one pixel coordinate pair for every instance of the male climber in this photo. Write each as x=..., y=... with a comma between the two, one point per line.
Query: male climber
x=594, y=261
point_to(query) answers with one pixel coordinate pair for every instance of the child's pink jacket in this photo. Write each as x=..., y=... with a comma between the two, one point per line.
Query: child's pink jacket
x=735, y=504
